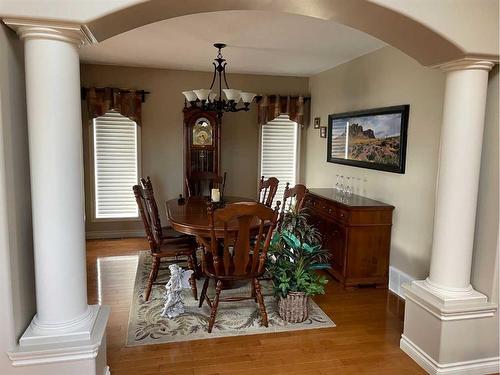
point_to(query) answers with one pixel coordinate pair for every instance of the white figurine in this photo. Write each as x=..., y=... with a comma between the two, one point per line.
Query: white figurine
x=179, y=279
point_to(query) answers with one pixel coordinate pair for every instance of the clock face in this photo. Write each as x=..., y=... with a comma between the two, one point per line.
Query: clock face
x=202, y=133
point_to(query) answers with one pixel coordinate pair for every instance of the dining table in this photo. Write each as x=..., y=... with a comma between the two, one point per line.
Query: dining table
x=190, y=216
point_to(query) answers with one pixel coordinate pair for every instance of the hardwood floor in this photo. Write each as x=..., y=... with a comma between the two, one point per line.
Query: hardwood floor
x=365, y=341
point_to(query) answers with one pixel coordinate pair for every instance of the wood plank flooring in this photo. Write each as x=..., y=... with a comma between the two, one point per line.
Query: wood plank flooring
x=365, y=341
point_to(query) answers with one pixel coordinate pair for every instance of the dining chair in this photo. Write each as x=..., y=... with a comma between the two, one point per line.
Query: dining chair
x=267, y=190
x=293, y=199
x=167, y=231
x=201, y=183
x=234, y=258
x=162, y=247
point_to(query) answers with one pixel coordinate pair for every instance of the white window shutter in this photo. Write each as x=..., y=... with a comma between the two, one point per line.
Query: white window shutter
x=278, y=154
x=115, y=166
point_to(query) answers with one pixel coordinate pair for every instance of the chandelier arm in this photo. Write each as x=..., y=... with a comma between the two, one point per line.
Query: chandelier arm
x=224, y=71
x=213, y=78
x=223, y=68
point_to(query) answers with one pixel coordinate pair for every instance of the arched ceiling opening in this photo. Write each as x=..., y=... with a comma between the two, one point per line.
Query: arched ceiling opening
x=258, y=42
x=411, y=37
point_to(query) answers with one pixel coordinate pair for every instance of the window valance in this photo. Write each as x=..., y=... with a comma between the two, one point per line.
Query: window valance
x=272, y=106
x=126, y=102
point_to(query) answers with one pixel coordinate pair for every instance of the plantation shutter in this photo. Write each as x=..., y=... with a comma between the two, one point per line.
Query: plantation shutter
x=115, y=166
x=279, y=147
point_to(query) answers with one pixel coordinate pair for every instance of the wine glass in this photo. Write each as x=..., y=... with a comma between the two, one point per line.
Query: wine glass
x=337, y=183
x=342, y=187
x=348, y=188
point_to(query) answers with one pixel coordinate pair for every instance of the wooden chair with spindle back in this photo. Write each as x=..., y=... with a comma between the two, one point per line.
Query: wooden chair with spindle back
x=236, y=258
x=167, y=231
x=160, y=246
x=293, y=199
x=267, y=190
x=201, y=183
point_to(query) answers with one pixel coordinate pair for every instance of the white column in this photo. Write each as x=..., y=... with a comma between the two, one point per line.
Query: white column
x=447, y=322
x=57, y=191
x=56, y=166
x=458, y=175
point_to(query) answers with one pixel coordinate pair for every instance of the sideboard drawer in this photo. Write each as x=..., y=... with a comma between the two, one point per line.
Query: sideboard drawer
x=327, y=208
x=342, y=215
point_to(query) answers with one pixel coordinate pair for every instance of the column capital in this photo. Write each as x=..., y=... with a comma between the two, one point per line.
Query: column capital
x=40, y=29
x=467, y=63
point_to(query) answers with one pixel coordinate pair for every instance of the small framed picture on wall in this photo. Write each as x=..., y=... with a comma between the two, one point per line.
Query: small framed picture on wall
x=322, y=131
x=317, y=122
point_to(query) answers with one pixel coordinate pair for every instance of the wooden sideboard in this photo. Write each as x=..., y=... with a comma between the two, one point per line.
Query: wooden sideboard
x=357, y=231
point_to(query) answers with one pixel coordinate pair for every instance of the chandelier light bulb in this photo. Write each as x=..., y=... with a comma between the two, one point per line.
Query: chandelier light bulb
x=248, y=97
x=232, y=94
x=212, y=96
x=190, y=96
x=202, y=94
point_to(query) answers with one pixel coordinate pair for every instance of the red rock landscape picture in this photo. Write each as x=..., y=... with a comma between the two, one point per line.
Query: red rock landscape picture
x=374, y=139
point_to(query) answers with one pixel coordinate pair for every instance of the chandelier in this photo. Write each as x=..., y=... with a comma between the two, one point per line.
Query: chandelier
x=208, y=100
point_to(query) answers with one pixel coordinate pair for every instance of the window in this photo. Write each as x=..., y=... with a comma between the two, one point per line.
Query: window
x=115, y=166
x=279, y=152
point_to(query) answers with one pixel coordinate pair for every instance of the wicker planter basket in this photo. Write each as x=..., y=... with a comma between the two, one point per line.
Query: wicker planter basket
x=294, y=308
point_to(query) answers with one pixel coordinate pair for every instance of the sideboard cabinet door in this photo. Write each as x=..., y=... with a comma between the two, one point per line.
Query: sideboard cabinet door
x=333, y=239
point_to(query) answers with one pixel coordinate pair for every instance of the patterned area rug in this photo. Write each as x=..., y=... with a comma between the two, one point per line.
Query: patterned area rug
x=146, y=325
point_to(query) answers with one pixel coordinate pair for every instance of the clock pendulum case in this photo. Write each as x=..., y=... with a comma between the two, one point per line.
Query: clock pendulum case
x=201, y=142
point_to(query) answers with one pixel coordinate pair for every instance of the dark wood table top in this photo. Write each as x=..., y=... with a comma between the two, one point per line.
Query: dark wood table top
x=351, y=201
x=191, y=216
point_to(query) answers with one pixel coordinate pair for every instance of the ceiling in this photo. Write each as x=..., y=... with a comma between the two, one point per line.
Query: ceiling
x=258, y=42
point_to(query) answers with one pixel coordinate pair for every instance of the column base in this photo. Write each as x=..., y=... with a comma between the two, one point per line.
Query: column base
x=450, y=333
x=78, y=330
x=87, y=356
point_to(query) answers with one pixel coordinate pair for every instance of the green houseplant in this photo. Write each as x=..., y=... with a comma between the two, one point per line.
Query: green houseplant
x=295, y=254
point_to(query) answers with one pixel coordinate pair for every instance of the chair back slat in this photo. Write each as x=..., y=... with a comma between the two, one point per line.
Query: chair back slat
x=293, y=198
x=148, y=210
x=201, y=183
x=225, y=252
x=152, y=208
x=240, y=258
x=267, y=190
x=258, y=242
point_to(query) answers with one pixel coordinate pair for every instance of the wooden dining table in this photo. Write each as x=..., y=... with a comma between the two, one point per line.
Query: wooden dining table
x=189, y=216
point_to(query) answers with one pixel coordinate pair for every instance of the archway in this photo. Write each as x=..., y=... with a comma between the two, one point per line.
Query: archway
x=402, y=32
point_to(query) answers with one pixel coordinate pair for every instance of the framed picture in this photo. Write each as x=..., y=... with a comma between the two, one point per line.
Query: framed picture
x=373, y=138
x=317, y=122
x=322, y=131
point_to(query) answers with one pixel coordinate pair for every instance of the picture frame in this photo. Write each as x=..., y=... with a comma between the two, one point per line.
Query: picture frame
x=317, y=122
x=322, y=131
x=374, y=138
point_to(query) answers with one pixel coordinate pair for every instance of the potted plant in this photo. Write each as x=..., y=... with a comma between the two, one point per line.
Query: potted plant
x=295, y=254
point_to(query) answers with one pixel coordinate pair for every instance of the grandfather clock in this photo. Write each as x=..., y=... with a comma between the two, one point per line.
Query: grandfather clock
x=202, y=141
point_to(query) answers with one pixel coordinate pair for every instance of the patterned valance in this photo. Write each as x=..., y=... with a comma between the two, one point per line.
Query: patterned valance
x=271, y=106
x=126, y=102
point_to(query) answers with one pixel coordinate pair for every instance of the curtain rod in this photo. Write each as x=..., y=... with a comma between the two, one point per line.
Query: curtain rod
x=259, y=97
x=142, y=92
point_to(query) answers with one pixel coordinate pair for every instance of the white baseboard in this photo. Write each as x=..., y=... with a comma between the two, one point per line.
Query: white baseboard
x=481, y=366
x=102, y=234
x=396, y=279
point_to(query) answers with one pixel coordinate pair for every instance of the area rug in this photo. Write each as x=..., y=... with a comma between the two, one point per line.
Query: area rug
x=146, y=325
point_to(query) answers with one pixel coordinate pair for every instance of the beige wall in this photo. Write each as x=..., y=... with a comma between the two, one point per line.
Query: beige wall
x=162, y=132
x=383, y=78
x=17, y=289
